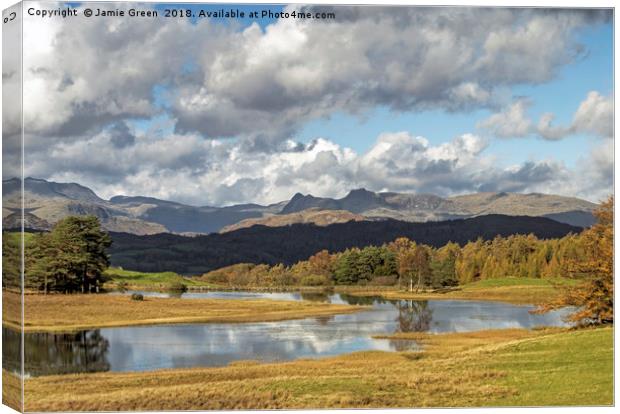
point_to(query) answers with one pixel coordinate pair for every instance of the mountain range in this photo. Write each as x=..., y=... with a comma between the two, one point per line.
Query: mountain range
x=46, y=202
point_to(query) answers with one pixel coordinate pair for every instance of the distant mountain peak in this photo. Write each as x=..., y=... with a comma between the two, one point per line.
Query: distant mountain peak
x=297, y=196
x=47, y=188
x=361, y=190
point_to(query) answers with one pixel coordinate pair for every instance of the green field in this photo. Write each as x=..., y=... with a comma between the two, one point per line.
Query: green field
x=576, y=367
x=163, y=280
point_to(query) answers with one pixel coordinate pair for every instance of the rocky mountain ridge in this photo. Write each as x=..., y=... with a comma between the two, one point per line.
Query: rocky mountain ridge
x=46, y=202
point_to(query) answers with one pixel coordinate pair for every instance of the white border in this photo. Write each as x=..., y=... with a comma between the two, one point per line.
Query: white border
x=523, y=3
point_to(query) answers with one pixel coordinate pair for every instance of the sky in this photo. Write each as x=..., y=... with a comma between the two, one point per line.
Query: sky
x=223, y=111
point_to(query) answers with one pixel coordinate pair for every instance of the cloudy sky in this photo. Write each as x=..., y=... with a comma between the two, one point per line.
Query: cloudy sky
x=217, y=112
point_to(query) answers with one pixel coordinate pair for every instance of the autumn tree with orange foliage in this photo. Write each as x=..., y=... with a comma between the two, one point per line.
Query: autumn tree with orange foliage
x=594, y=296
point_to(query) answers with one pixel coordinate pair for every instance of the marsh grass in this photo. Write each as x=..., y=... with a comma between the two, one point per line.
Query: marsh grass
x=489, y=368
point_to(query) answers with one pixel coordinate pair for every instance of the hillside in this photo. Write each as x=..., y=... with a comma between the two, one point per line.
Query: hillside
x=311, y=215
x=534, y=204
x=289, y=244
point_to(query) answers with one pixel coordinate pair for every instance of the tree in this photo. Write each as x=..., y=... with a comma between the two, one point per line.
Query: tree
x=346, y=268
x=421, y=266
x=403, y=248
x=594, y=296
x=388, y=263
x=322, y=263
x=11, y=260
x=443, y=266
x=72, y=257
x=40, y=273
x=87, y=248
x=471, y=260
x=414, y=264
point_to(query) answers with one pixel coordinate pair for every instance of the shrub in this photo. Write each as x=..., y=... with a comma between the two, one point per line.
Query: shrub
x=383, y=281
x=137, y=296
x=177, y=287
x=314, y=280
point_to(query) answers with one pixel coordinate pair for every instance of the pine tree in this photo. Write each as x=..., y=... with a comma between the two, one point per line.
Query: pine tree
x=72, y=257
x=11, y=260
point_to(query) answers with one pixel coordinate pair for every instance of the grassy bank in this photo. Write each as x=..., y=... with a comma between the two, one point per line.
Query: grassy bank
x=150, y=281
x=45, y=313
x=488, y=368
x=509, y=289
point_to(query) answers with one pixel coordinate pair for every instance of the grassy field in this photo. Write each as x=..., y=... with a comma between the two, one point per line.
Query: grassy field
x=140, y=280
x=509, y=289
x=46, y=313
x=487, y=368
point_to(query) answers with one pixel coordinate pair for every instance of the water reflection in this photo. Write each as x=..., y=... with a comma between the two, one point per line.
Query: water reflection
x=191, y=345
x=47, y=353
x=315, y=296
x=414, y=316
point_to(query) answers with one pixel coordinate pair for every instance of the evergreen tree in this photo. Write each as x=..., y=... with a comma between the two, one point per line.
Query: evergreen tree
x=72, y=257
x=443, y=266
x=11, y=260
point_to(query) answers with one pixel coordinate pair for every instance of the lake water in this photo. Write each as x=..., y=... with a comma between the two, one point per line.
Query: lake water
x=192, y=345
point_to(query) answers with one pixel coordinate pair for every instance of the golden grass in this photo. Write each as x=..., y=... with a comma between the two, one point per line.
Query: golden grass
x=11, y=306
x=45, y=313
x=11, y=390
x=491, y=368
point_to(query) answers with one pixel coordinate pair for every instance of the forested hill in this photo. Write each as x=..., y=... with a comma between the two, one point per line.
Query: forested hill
x=289, y=244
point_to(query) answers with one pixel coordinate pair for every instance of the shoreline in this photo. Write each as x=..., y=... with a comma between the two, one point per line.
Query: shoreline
x=516, y=294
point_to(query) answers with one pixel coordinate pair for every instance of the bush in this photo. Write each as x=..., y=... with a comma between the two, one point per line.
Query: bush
x=177, y=287
x=215, y=277
x=383, y=281
x=137, y=296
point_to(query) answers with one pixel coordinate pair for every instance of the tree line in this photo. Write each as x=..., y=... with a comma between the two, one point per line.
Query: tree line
x=405, y=263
